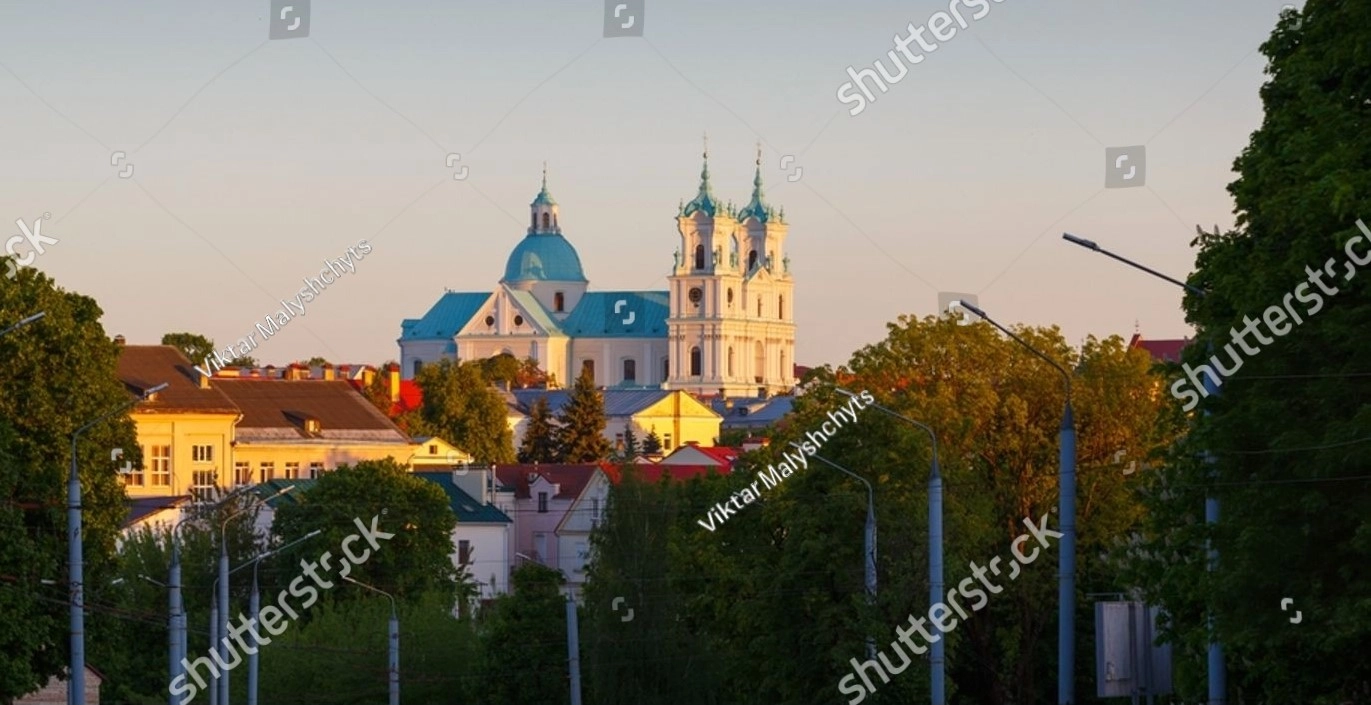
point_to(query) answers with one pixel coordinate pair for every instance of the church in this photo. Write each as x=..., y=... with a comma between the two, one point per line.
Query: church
x=725, y=326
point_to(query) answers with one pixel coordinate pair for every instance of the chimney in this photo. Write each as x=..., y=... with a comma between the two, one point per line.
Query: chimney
x=368, y=375
x=328, y=372
x=393, y=380
x=119, y=340
x=270, y=372
x=201, y=379
x=296, y=370
x=344, y=372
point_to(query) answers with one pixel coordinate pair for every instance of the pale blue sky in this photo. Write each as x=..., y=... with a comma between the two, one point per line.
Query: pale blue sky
x=256, y=160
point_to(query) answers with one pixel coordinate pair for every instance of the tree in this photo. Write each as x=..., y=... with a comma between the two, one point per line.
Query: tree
x=316, y=361
x=194, y=346
x=539, y=444
x=630, y=449
x=652, y=445
x=525, y=632
x=378, y=392
x=1281, y=433
x=461, y=407
x=502, y=369
x=59, y=375
x=581, y=429
x=530, y=375
x=243, y=361
x=415, y=561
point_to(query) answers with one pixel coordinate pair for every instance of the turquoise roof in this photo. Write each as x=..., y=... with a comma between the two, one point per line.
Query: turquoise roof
x=757, y=207
x=704, y=200
x=535, y=310
x=544, y=198
x=446, y=317
x=544, y=257
x=467, y=509
x=619, y=314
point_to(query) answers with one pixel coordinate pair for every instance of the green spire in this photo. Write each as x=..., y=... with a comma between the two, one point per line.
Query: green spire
x=544, y=198
x=756, y=208
x=704, y=200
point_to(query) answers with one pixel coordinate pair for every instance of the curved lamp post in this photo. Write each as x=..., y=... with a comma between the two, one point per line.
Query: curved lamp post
x=76, y=690
x=253, y=608
x=938, y=660
x=1066, y=510
x=1218, y=673
x=394, y=641
x=24, y=322
x=222, y=622
x=869, y=540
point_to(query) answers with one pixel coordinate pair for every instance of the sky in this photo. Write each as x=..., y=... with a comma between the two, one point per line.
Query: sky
x=254, y=160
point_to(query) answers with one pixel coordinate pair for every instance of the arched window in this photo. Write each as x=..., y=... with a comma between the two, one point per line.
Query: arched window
x=699, y=256
x=416, y=365
x=666, y=369
x=730, y=361
x=533, y=350
x=780, y=307
x=630, y=371
x=546, y=221
x=751, y=260
x=588, y=366
x=559, y=301
x=695, y=362
x=760, y=370
x=759, y=307
x=733, y=252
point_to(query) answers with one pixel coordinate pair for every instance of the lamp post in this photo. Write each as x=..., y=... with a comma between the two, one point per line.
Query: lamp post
x=223, y=589
x=1218, y=672
x=1066, y=511
x=24, y=322
x=868, y=542
x=938, y=660
x=253, y=609
x=76, y=691
x=394, y=642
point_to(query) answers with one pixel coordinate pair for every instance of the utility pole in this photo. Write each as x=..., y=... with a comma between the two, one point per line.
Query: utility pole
x=573, y=648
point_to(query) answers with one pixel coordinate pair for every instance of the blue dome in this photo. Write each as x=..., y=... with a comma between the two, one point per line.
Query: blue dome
x=544, y=257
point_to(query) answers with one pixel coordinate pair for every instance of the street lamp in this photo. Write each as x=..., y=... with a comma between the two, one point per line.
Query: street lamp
x=938, y=661
x=76, y=692
x=1066, y=510
x=394, y=641
x=869, y=540
x=1218, y=673
x=253, y=609
x=222, y=622
x=24, y=322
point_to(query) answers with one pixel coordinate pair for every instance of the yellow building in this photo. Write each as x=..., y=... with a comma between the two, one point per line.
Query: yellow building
x=676, y=416
x=201, y=434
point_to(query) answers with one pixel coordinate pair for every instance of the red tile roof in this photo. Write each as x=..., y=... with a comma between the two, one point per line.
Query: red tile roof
x=571, y=478
x=1160, y=350
x=653, y=473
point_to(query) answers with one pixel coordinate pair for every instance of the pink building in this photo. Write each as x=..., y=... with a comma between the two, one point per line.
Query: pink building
x=538, y=497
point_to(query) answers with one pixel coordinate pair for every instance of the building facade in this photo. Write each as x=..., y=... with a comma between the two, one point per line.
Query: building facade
x=724, y=326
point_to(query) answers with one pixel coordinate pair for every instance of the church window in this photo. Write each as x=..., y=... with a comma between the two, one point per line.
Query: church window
x=518, y=320
x=695, y=362
x=490, y=320
x=780, y=307
x=760, y=370
x=630, y=371
x=588, y=366
x=751, y=260
x=559, y=301
x=730, y=296
x=730, y=361
x=546, y=220
x=759, y=307
x=666, y=369
x=696, y=294
x=699, y=256
x=417, y=364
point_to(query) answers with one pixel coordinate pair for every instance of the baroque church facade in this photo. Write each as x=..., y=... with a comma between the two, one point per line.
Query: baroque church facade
x=725, y=326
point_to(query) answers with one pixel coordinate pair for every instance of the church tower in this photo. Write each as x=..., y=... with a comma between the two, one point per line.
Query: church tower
x=731, y=328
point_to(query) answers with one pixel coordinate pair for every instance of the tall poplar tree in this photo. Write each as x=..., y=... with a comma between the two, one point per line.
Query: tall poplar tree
x=582, y=423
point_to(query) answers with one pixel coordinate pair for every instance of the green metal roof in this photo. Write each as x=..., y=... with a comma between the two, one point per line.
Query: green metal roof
x=467, y=509
x=544, y=257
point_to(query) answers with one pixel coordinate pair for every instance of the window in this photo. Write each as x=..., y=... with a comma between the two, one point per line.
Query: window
x=547, y=220
x=582, y=555
x=292, y=471
x=730, y=361
x=760, y=369
x=242, y=473
x=666, y=442
x=594, y=509
x=416, y=365
x=463, y=552
x=540, y=546
x=588, y=366
x=202, y=454
x=695, y=361
x=266, y=472
x=202, y=484
x=666, y=369
x=730, y=296
x=780, y=307
x=751, y=260
x=759, y=307
x=542, y=503
x=160, y=465
x=135, y=477
x=518, y=320
x=559, y=301
x=699, y=256
x=433, y=449
x=630, y=371
x=315, y=470
x=618, y=441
